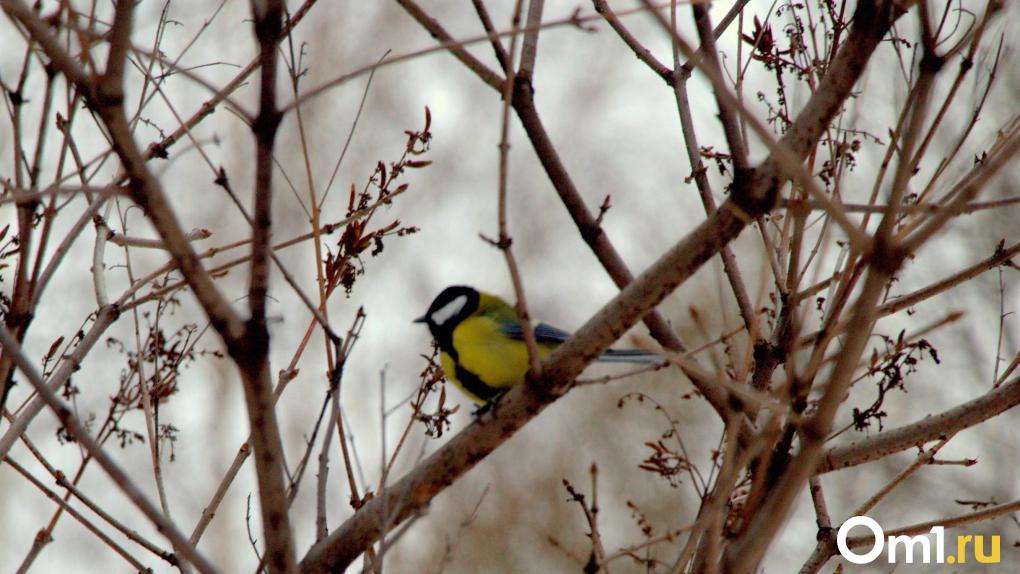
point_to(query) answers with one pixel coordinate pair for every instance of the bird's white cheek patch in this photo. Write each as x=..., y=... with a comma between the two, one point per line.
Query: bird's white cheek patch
x=451, y=309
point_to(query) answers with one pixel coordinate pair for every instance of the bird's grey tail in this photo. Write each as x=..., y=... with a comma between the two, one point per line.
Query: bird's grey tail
x=630, y=356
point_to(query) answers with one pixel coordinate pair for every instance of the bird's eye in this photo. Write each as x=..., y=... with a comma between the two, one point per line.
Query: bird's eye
x=450, y=310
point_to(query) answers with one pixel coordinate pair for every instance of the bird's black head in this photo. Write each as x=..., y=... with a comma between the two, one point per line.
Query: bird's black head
x=447, y=310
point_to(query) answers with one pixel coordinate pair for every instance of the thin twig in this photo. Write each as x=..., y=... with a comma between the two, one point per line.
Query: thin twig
x=135, y=564
x=119, y=477
x=505, y=242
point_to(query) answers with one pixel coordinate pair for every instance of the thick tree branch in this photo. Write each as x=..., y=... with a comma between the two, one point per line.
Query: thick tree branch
x=929, y=428
x=252, y=352
x=524, y=402
x=636, y=299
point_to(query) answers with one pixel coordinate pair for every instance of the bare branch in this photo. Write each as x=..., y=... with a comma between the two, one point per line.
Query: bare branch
x=117, y=474
x=932, y=427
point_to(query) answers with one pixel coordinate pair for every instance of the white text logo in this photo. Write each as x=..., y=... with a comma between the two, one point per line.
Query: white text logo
x=911, y=545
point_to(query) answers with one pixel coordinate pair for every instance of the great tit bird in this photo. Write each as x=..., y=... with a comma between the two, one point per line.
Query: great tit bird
x=481, y=342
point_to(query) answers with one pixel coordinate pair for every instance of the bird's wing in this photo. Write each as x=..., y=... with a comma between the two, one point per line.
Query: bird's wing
x=549, y=335
x=631, y=356
x=544, y=333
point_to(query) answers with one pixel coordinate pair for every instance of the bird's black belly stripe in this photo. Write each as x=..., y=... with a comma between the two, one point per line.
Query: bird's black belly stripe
x=474, y=385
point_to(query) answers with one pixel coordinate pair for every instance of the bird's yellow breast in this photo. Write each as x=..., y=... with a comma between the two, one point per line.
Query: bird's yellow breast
x=497, y=360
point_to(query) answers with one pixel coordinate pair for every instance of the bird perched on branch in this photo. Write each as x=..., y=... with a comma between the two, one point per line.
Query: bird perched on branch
x=481, y=342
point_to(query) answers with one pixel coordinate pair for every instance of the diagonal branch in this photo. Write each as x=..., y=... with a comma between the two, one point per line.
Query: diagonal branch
x=929, y=428
x=144, y=188
x=437, y=31
x=728, y=116
x=523, y=402
x=248, y=346
x=118, y=475
x=635, y=300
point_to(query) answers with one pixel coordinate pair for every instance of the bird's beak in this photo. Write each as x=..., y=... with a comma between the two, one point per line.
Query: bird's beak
x=422, y=319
